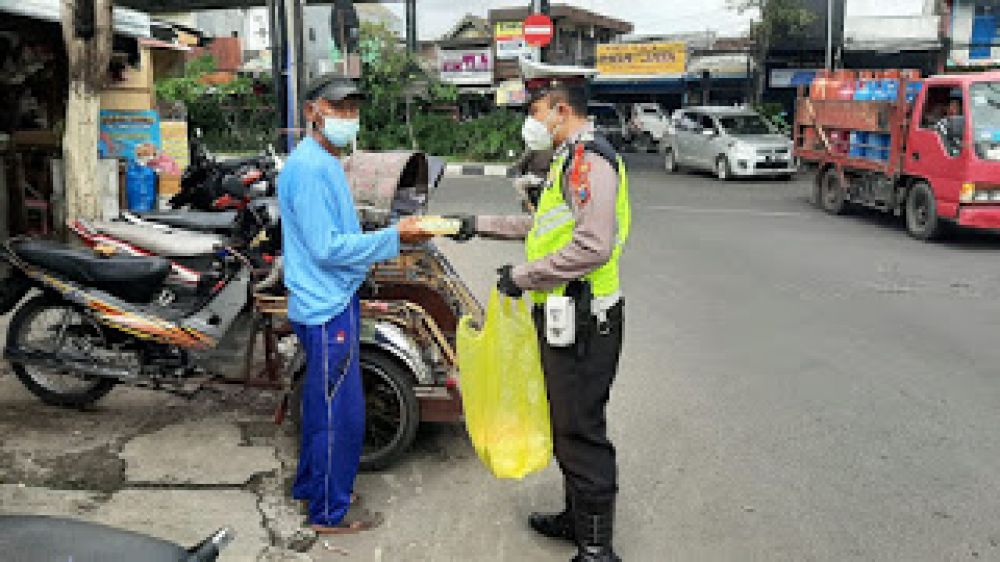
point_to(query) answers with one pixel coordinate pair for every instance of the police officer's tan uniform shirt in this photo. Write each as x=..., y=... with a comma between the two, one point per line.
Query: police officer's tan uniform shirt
x=594, y=235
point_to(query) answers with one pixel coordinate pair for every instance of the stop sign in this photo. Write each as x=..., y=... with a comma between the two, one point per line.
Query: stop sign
x=538, y=30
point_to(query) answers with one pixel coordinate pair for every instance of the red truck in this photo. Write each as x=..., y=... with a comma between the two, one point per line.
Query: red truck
x=932, y=156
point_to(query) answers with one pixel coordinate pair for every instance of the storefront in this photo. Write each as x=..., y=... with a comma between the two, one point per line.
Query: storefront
x=34, y=85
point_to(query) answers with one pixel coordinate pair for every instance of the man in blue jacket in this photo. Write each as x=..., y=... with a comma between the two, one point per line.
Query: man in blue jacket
x=327, y=257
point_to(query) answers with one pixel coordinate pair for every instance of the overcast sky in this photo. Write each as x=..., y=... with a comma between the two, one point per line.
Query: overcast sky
x=435, y=17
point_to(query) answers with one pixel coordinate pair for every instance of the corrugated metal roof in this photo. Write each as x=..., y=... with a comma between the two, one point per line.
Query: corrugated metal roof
x=127, y=22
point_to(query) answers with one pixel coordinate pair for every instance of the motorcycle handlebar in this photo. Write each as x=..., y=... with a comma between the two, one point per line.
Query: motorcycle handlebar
x=209, y=549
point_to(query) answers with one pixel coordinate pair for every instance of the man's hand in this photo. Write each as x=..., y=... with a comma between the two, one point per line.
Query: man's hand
x=410, y=231
x=506, y=284
x=467, y=231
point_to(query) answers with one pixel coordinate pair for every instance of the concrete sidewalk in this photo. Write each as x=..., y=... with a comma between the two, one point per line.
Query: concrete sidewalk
x=158, y=464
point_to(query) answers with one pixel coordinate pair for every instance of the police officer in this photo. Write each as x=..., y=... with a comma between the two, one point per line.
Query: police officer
x=573, y=244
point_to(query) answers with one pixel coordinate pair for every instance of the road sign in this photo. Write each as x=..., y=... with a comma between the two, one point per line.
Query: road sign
x=538, y=30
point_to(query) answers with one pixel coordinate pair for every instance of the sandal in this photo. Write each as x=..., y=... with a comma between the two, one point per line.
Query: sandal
x=353, y=522
x=355, y=500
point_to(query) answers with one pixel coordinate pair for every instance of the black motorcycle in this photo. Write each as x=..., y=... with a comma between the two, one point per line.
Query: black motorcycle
x=211, y=184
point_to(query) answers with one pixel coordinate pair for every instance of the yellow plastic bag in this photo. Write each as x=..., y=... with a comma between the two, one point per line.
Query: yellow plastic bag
x=503, y=390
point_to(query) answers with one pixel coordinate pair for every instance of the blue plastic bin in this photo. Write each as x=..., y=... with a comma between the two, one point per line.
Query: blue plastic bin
x=858, y=139
x=140, y=187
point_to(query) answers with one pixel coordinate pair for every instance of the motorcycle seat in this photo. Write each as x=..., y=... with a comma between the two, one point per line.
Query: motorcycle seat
x=166, y=242
x=202, y=221
x=39, y=538
x=132, y=278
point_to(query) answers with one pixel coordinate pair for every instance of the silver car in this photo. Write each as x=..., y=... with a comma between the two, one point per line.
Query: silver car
x=729, y=141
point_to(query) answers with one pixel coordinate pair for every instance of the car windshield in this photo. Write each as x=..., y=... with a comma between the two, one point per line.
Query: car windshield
x=744, y=125
x=985, y=114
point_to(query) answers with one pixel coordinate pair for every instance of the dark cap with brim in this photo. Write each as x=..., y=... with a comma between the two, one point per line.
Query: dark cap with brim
x=333, y=87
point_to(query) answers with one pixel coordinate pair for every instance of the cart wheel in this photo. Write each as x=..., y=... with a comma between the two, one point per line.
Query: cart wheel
x=392, y=412
x=922, y=221
x=832, y=196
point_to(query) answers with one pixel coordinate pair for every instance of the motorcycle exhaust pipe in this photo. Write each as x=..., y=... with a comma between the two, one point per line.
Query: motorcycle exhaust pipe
x=68, y=366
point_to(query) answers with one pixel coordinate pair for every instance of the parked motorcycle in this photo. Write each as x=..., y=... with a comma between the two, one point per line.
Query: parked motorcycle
x=211, y=184
x=100, y=320
x=191, y=239
x=35, y=538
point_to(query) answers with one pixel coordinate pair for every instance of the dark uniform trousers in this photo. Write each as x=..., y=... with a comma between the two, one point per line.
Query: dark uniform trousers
x=578, y=390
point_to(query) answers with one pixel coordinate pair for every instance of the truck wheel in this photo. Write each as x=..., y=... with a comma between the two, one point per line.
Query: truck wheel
x=922, y=221
x=669, y=160
x=832, y=196
x=722, y=169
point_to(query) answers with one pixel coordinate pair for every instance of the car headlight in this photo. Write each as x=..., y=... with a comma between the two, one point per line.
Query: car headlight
x=743, y=151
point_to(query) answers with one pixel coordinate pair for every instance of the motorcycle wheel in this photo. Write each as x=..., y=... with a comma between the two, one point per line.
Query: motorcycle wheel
x=37, y=324
x=392, y=411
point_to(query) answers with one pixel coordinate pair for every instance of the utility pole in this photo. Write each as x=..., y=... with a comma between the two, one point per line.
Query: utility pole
x=829, y=34
x=87, y=33
x=542, y=7
x=411, y=26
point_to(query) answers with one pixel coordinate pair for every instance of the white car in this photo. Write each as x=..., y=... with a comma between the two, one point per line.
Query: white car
x=729, y=141
x=648, y=125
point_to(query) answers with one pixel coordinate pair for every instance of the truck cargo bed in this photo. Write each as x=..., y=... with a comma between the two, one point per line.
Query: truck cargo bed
x=825, y=132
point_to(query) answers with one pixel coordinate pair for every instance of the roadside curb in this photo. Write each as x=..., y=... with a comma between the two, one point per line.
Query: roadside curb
x=488, y=170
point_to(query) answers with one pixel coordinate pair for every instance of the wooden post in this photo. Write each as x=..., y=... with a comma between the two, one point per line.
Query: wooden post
x=88, y=69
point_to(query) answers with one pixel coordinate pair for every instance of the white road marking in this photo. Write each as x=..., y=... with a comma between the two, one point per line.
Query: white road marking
x=702, y=210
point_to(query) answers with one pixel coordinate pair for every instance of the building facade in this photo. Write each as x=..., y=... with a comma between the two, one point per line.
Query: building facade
x=974, y=31
x=320, y=49
x=577, y=34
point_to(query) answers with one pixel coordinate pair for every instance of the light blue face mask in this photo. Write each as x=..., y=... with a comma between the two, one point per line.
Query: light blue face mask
x=341, y=132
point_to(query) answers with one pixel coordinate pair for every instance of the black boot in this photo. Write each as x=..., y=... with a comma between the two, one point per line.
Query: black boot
x=594, y=532
x=555, y=525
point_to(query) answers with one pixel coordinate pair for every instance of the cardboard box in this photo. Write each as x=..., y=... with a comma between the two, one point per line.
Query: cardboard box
x=169, y=185
x=127, y=100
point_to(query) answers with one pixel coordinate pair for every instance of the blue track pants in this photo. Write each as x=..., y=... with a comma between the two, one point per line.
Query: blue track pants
x=333, y=416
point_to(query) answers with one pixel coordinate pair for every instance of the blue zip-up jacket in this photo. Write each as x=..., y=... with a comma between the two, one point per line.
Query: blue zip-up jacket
x=326, y=255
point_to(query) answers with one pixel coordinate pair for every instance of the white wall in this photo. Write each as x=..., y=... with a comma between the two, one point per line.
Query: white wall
x=869, y=8
x=890, y=24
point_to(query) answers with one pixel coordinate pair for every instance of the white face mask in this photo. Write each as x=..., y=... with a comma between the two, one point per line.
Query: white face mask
x=536, y=135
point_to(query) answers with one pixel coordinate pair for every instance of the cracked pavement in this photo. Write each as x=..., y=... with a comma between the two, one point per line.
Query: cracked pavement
x=167, y=466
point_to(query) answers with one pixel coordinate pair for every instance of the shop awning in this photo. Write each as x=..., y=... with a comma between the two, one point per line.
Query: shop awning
x=606, y=85
x=126, y=21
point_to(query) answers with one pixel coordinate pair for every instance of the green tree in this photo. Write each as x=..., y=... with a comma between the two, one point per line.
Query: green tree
x=408, y=108
x=774, y=18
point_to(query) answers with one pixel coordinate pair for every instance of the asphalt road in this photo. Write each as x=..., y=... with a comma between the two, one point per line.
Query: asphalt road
x=794, y=386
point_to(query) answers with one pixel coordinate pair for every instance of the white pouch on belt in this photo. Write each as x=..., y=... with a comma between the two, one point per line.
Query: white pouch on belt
x=560, y=321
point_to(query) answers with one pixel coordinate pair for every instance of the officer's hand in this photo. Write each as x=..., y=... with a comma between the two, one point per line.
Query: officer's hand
x=468, y=229
x=506, y=284
x=410, y=231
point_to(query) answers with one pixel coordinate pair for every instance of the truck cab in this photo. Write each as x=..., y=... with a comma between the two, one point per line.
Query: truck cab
x=953, y=145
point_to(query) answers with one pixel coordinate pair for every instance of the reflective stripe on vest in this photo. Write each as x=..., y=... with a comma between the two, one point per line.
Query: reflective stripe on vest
x=553, y=230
